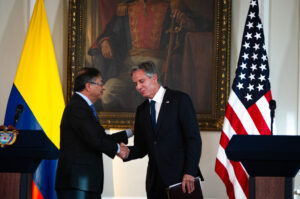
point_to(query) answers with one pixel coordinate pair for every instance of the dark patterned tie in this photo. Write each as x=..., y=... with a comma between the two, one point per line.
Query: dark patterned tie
x=94, y=111
x=152, y=105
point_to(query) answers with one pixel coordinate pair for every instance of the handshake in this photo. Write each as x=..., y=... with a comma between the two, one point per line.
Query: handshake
x=124, y=151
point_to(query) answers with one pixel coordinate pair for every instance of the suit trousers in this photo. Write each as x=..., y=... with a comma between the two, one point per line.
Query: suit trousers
x=156, y=189
x=76, y=194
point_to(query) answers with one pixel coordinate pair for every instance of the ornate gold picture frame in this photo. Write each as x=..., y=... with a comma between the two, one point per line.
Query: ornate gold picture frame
x=193, y=54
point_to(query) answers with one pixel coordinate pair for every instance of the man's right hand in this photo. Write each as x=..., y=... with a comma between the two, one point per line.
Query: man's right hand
x=124, y=151
x=106, y=49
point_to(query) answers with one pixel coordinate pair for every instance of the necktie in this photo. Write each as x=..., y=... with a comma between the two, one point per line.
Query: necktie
x=153, y=118
x=94, y=111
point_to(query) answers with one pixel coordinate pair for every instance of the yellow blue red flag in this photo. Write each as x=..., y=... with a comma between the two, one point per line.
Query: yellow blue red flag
x=37, y=87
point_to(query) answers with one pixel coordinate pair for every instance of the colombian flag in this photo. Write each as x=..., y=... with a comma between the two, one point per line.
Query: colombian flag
x=37, y=87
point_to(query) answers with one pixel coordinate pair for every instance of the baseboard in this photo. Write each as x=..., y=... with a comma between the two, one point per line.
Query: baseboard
x=132, y=198
x=124, y=198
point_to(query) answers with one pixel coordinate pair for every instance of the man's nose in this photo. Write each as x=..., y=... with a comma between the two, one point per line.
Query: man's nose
x=138, y=86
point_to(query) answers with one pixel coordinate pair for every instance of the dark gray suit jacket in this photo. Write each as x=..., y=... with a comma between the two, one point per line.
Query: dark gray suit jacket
x=175, y=147
x=82, y=142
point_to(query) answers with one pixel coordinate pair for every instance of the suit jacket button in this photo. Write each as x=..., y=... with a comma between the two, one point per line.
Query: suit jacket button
x=155, y=142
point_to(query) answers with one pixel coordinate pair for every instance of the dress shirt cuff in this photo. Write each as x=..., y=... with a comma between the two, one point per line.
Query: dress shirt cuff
x=129, y=133
x=118, y=151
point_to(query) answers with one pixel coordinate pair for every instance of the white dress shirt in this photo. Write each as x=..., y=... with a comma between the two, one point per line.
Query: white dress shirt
x=158, y=98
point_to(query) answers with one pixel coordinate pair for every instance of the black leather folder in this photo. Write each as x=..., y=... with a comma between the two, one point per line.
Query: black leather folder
x=175, y=191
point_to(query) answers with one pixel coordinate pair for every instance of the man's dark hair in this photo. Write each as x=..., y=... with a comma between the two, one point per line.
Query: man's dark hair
x=85, y=75
x=148, y=67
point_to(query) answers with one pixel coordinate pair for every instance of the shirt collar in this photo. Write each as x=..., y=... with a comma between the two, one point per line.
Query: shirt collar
x=159, y=96
x=88, y=101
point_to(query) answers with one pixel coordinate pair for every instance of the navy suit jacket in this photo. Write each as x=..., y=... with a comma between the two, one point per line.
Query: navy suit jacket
x=82, y=142
x=175, y=147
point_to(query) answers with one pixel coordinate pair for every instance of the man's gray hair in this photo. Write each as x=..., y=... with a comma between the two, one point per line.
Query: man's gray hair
x=148, y=67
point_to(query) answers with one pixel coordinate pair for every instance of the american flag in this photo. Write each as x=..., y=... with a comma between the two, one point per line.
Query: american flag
x=248, y=105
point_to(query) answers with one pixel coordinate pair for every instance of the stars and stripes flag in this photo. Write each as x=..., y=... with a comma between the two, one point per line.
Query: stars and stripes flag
x=247, y=110
x=37, y=87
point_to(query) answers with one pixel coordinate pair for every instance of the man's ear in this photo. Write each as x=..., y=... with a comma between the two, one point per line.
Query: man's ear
x=154, y=77
x=87, y=86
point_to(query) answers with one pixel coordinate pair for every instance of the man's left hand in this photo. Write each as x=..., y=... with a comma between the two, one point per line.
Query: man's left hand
x=124, y=151
x=188, y=182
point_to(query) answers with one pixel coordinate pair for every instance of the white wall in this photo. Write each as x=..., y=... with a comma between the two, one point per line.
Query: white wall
x=128, y=179
x=284, y=66
x=12, y=34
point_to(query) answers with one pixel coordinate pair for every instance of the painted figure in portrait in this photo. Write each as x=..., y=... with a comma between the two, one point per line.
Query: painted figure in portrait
x=177, y=35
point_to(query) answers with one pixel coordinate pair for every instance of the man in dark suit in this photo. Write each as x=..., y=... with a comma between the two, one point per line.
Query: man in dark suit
x=83, y=140
x=167, y=131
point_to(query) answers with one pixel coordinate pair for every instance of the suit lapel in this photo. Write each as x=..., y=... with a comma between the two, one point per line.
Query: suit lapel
x=87, y=107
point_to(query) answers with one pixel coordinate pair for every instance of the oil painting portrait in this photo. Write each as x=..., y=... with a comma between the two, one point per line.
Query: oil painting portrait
x=184, y=38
